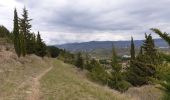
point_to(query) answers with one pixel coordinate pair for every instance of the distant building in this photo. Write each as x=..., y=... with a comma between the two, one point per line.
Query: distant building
x=126, y=56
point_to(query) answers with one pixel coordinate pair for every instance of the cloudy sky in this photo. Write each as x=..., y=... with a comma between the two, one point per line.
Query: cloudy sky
x=65, y=21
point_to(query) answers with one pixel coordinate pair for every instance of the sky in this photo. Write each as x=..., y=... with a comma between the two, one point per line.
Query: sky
x=69, y=21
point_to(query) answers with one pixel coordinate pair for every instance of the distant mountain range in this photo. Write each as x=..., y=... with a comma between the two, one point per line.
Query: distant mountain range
x=93, y=45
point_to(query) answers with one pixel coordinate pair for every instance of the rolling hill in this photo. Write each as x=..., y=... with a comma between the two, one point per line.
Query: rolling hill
x=93, y=45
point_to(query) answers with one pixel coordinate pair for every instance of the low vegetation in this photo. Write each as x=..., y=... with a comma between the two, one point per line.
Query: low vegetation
x=70, y=84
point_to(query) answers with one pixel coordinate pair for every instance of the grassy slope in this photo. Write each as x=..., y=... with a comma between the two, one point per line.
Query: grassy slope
x=16, y=74
x=63, y=82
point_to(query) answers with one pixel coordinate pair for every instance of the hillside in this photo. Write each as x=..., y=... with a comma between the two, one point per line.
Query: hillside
x=102, y=49
x=34, y=78
x=93, y=45
x=65, y=82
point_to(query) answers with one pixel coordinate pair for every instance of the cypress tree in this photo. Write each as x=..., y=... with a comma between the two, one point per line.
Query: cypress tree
x=17, y=42
x=144, y=66
x=132, y=50
x=22, y=40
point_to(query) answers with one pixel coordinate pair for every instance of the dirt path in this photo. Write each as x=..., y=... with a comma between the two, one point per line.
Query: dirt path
x=35, y=85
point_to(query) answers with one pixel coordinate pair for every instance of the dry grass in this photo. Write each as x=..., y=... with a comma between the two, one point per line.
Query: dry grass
x=64, y=82
x=16, y=74
x=148, y=92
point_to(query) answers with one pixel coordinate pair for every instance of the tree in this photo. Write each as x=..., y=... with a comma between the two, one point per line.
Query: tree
x=25, y=27
x=4, y=32
x=22, y=42
x=116, y=79
x=17, y=41
x=164, y=35
x=54, y=51
x=98, y=73
x=40, y=46
x=143, y=68
x=79, y=61
x=132, y=50
x=164, y=74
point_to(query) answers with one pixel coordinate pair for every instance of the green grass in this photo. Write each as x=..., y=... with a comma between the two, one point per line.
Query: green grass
x=64, y=82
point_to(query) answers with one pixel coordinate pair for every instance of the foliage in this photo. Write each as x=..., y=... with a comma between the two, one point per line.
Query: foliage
x=98, y=73
x=53, y=51
x=17, y=43
x=116, y=80
x=40, y=47
x=67, y=57
x=166, y=76
x=164, y=35
x=4, y=32
x=28, y=45
x=143, y=68
x=79, y=61
x=132, y=50
x=26, y=42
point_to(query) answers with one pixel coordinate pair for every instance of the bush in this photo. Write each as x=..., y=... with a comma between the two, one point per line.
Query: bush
x=99, y=74
x=122, y=86
x=118, y=83
x=79, y=61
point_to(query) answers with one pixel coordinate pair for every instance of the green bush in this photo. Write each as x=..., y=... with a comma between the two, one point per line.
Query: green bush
x=98, y=74
x=118, y=83
x=123, y=85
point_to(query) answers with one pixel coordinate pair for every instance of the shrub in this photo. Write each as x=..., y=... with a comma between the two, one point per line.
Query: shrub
x=99, y=74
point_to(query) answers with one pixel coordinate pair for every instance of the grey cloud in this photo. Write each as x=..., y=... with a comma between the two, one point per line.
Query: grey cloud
x=97, y=16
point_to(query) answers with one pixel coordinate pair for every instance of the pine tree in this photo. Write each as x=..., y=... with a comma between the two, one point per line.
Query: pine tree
x=17, y=42
x=25, y=28
x=132, y=50
x=40, y=46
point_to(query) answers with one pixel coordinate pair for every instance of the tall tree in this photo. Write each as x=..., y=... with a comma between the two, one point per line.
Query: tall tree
x=150, y=50
x=17, y=42
x=40, y=47
x=143, y=68
x=22, y=42
x=165, y=73
x=116, y=79
x=25, y=28
x=132, y=50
